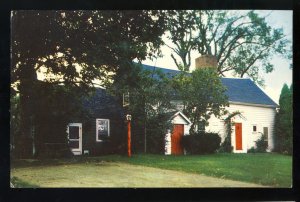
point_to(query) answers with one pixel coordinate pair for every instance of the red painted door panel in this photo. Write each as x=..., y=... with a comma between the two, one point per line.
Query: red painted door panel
x=176, y=147
x=238, y=136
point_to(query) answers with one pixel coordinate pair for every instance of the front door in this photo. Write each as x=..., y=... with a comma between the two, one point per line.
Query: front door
x=176, y=138
x=75, y=138
x=238, y=136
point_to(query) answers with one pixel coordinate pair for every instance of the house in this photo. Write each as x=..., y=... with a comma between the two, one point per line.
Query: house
x=97, y=133
x=257, y=108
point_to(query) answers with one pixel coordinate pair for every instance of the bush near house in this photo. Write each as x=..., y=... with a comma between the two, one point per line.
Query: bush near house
x=261, y=145
x=201, y=143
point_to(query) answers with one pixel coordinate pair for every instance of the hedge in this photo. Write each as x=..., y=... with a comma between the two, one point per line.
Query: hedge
x=201, y=143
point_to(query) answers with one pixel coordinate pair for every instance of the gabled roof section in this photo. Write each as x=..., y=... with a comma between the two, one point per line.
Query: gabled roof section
x=240, y=91
x=178, y=113
x=246, y=91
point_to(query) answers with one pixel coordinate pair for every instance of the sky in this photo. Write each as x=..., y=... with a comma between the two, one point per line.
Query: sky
x=274, y=80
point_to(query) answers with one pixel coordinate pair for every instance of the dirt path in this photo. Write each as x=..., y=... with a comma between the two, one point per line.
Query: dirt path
x=117, y=175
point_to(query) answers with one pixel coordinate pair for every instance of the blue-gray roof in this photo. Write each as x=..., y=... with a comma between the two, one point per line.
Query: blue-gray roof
x=103, y=105
x=238, y=90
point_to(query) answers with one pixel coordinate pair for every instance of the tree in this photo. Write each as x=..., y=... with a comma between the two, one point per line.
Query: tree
x=150, y=94
x=284, y=121
x=76, y=48
x=203, y=95
x=242, y=41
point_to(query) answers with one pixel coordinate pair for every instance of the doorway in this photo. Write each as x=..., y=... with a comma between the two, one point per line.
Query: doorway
x=75, y=138
x=238, y=136
x=176, y=138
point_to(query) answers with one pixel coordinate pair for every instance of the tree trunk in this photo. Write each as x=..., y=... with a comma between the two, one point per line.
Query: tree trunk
x=25, y=143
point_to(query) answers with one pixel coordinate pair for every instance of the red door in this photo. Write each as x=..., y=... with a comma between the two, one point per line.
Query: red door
x=176, y=147
x=238, y=136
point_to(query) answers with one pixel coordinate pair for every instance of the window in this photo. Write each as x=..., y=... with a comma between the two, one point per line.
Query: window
x=201, y=126
x=254, y=128
x=266, y=133
x=102, y=129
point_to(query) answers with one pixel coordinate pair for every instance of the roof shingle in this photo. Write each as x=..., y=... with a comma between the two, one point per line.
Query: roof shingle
x=238, y=90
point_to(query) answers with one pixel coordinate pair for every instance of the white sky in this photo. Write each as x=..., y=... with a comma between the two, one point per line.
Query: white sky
x=274, y=80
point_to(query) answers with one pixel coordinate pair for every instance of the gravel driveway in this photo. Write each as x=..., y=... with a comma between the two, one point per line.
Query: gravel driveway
x=117, y=175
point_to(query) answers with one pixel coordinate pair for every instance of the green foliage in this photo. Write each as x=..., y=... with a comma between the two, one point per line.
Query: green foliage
x=251, y=150
x=14, y=118
x=53, y=110
x=284, y=122
x=201, y=143
x=203, y=94
x=50, y=41
x=242, y=41
x=150, y=94
x=261, y=145
x=18, y=183
x=156, y=129
x=106, y=39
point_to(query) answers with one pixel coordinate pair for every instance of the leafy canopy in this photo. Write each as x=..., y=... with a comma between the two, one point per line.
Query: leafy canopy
x=150, y=94
x=76, y=49
x=284, y=121
x=98, y=41
x=203, y=95
x=243, y=42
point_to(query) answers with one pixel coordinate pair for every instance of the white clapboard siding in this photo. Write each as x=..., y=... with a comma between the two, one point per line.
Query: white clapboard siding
x=254, y=115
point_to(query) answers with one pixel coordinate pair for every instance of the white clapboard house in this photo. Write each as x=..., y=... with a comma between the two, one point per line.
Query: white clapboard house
x=257, y=108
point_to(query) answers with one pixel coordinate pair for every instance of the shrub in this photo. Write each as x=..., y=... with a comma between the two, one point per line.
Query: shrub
x=201, y=143
x=252, y=150
x=226, y=146
x=261, y=145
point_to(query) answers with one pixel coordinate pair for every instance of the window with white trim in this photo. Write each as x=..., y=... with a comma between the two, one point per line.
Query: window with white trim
x=102, y=129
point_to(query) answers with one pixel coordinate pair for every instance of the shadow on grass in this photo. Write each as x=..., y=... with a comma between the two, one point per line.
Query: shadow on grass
x=23, y=163
x=17, y=183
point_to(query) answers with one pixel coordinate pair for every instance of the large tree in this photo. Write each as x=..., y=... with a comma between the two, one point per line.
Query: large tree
x=203, y=95
x=76, y=48
x=242, y=41
x=284, y=121
x=150, y=94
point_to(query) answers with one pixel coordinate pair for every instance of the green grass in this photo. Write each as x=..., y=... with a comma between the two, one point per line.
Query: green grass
x=266, y=169
x=18, y=183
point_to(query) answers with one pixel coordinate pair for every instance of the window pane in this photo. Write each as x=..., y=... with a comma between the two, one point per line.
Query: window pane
x=73, y=132
x=102, y=129
x=74, y=144
x=254, y=128
x=266, y=133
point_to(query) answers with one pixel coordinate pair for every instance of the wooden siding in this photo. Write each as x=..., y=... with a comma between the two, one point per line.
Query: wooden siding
x=117, y=129
x=259, y=116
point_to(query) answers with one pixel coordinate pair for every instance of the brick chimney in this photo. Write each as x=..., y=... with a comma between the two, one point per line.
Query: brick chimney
x=206, y=61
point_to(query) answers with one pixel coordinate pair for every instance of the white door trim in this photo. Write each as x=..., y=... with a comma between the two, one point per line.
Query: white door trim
x=76, y=151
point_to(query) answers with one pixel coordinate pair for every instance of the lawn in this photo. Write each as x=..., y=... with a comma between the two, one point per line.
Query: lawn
x=265, y=169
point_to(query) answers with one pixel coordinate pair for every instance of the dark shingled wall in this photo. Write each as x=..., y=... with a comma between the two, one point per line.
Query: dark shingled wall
x=102, y=106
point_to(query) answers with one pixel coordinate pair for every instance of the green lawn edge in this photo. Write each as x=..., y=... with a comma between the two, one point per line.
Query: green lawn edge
x=266, y=168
